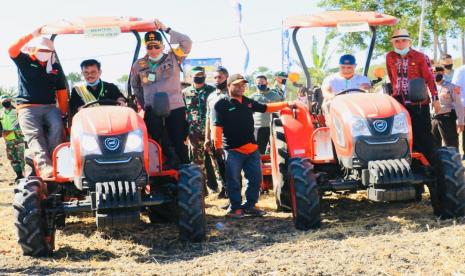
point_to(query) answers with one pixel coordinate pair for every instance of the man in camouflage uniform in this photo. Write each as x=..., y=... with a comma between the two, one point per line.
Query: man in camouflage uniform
x=280, y=83
x=11, y=132
x=195, y=98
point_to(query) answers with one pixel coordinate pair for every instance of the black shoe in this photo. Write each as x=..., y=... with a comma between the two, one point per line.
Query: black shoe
x=19, y=176
x=254, y=212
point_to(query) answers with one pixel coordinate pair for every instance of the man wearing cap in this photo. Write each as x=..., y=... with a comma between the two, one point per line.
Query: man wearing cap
x=220, y=76
x=343, y=80
x=280, y=83
x=160, y=72
x=195, y=98
x=13, y=137
x=450, y=120
x=41, y=85
x=262, y=120
x=234, y=138
x=404, y=64
x=94, y=88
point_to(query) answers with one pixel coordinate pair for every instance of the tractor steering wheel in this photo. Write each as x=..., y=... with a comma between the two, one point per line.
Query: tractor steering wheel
x=101, y=101
x=351, y=90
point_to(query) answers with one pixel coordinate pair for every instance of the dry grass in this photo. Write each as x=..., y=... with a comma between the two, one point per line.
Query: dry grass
x=357, y=237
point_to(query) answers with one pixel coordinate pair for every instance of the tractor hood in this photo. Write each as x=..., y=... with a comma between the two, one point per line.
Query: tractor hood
x=106, y=120
x=365, y=105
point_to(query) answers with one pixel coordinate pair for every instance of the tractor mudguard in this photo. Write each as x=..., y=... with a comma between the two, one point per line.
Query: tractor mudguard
x=298, y=128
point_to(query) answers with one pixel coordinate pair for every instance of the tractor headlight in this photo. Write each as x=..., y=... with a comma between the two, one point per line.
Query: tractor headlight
x=400, y=124
x=89, y=145
x=134, y=142
x=359, y=127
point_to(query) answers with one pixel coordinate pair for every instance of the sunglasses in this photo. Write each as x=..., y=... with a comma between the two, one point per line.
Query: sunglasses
x=150, y=47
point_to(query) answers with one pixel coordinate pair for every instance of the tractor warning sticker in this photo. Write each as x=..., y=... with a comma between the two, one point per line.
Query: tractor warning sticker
x=102, y=32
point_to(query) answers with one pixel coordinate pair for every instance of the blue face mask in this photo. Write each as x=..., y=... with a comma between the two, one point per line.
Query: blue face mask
x=262, y=87
x=94, y=83
x=402, y=52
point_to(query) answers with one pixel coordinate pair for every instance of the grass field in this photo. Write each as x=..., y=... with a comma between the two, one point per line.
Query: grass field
x=357, y=237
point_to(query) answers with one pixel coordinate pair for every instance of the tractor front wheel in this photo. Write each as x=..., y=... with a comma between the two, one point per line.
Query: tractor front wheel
x=306, y=199
x=191, y=204
x=30, y=221
x=448, y=195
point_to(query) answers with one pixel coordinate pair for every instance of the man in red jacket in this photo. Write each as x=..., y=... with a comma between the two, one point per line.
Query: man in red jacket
x=404, y=64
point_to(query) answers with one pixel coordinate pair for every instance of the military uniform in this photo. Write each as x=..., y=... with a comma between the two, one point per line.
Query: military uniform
x=14, y=140
x=196, y=108
x=444, y=123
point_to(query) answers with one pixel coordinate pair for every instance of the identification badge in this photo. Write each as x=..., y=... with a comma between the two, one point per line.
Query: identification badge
x=151, y=77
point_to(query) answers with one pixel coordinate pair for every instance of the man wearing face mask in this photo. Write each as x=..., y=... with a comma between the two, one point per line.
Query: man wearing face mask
x=13, y=137
x=448, y=64
x=450, y=119
x=160, y=72
x=220, y=76
x=280, y=83
x=195, y=98
x=94, y=88
x=262, y=120
x=404, y=64
x=41, y=85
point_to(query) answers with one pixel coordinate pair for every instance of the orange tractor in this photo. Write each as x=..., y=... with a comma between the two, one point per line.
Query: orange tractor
x=365, y=143
x=110, y=167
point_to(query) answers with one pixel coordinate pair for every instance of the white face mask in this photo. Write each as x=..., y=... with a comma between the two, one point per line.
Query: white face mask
x=43, y=56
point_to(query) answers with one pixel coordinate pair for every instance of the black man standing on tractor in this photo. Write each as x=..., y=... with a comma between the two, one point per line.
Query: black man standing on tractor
x=160, y=72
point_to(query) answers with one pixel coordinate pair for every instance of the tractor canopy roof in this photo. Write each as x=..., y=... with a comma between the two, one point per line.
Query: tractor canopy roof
x=333, y=18
x=99, y=25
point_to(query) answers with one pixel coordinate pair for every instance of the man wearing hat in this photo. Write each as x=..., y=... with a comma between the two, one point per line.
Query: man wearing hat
x=280, y=83
x=343, y=80
x=13, y=137
x=404, y=64
x=195, y=98
x=234, y=139
x=41, y=85
x=160, y=72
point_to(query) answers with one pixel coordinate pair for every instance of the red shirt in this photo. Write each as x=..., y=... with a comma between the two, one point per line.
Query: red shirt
x=413, y=65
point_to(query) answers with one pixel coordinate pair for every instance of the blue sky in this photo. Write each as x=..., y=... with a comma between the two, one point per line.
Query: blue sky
x=211, y=24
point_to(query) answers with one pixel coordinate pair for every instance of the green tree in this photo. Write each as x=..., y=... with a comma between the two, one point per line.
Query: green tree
x=74, y=78
x=407, y=11
x=319, y=68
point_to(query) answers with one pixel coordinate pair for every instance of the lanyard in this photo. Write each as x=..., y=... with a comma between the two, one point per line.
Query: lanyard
x=101, y=92
x=154, y=66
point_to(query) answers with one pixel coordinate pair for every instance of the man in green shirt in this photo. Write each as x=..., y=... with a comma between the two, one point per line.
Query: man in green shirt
x=195, y=98
x=280, y=83
x=262, y=120
x=13, y=137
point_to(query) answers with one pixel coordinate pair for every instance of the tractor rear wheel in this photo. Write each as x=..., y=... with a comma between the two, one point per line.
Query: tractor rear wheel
x=30, y=222
x=306, y=211
x=279, y=152
x=448, y=196
x=191, y=204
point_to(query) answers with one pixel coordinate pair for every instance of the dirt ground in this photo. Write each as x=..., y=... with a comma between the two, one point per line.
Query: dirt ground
x=357, y=237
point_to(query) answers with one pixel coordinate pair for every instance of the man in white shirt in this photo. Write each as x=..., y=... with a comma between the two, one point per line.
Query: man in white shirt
x=343, y=80
x=459, y=80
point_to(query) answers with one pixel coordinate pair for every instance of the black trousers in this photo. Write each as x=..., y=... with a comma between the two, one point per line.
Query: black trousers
x=263, y=138
x=212, y=183
x=444, y=128
x=423, y=140
x=176, y=127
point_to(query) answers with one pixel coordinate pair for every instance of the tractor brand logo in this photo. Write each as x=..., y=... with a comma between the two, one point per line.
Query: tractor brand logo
x=112, y=143
x=380, y=125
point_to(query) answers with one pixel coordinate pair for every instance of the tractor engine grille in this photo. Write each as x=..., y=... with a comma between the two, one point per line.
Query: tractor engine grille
x=369, y=150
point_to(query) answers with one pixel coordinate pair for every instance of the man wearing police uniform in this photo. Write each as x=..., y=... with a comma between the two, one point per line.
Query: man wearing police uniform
x=14, y=139
x=160, y=72
x=195, y=97
x=450, y=119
